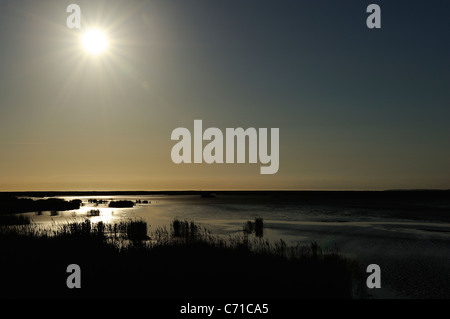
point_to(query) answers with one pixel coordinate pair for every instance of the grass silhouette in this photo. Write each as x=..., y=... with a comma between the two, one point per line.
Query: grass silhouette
x=129, y=260
x=6, y=220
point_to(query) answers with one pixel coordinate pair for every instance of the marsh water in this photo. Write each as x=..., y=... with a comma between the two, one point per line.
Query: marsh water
x=414, y=254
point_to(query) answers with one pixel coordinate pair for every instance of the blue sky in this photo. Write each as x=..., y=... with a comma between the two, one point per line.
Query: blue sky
x=356, y=108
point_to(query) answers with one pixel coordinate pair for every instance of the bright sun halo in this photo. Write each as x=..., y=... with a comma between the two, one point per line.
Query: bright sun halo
x=94, y=41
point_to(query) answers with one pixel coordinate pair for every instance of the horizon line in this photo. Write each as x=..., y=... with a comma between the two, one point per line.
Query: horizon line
x=223, y=190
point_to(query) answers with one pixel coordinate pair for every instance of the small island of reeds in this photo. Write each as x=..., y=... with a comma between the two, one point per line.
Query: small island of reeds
x=121, y=204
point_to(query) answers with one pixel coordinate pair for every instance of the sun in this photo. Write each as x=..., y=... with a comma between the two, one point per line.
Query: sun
x=94, y=41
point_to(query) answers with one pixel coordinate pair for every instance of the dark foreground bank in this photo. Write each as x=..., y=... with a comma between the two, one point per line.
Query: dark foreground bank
x=126, y=260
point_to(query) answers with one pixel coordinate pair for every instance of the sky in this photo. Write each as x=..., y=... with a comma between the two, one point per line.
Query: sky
x=356, y=108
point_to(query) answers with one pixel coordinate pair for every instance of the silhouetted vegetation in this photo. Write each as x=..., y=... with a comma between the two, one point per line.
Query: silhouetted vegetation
x=138, y=201
x=97, y=201
x=121, y=204
x=256, y=227
x=124, y=259
x=93, y=212
x=184, y=229
x=136, y=230
x=14, y=220
x=13, y=205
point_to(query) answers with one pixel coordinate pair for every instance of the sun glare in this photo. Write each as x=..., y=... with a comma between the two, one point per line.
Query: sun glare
x=94, y=41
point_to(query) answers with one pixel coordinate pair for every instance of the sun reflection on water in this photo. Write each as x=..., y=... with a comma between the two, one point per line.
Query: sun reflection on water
x=97, y=214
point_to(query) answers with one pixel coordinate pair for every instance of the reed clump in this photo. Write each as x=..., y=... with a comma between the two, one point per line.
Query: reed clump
x=256, y=227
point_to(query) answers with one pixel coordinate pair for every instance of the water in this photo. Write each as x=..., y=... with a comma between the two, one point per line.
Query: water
x=413, y=254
